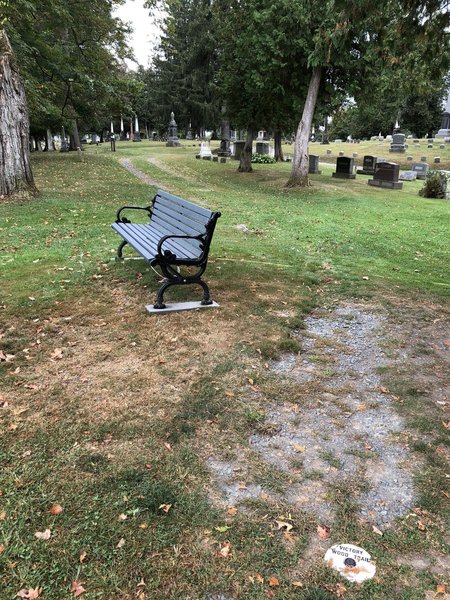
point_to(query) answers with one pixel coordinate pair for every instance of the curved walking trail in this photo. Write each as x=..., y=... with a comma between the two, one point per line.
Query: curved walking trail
x=125, y=162
x=345, y=434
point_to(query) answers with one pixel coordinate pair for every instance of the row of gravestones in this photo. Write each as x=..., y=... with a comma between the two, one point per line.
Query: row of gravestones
x=437, y=159
x=385, y=174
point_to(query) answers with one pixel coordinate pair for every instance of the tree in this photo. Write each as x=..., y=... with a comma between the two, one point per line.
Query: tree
x=16, y=177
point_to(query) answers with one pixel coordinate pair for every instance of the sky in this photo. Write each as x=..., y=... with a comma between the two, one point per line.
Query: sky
x=145, y=34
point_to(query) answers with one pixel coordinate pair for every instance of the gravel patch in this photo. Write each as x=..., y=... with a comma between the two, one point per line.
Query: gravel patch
x=347, y=433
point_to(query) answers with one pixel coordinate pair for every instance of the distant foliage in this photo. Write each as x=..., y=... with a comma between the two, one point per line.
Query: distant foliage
x=435, y=185
x=263, y=159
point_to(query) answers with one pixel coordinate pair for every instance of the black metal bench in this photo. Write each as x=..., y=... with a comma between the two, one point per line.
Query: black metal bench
x=176, y=239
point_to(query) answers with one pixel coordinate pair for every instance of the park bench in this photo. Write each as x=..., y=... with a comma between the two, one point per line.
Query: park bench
x=176, y=239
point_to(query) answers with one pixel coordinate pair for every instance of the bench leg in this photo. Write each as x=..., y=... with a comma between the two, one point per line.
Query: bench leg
x=120, y=248
x=160, y=301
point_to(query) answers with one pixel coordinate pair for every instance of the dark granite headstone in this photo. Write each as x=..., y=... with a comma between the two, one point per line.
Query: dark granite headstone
x=386, y=176
x=314, y=164
x=238, y=147
x=172, y=133
x=344, y=168
x=398, y=143
x=368, y=166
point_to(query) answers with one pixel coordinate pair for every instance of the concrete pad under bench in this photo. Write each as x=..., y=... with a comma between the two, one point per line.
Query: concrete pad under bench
x=178, y=307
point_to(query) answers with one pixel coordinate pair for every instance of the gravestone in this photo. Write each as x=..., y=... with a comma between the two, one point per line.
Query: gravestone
x=386, y=176
x=437, y=159
x=313, y=166
x=398, y=143
x=262, y=148
x=205, y=151
x=344, y=168
x=407, y=176
x=172, y=133
x=421, y=169
x=423, y=159
x=368, y=167
x=238, y=147
x=189, y=135
x=341, y=153
x=225, y=149
x=328, y=151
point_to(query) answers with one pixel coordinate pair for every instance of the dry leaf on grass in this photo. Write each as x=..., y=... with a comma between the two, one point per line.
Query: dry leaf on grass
x=225, y=549
x=440, y=589
x=298, y=448
x=3, y=515
x=123, y=517
x=57, y=354
x=323, y=532
x=232, y=511
x=56, y=509
x=83, y=556
x=165, y=507
x=30, y=594
x=376, y=530
x=121, y=543
x=283, y=524
x=273, y=582
x=297, y=584
x=77, y=589
x=43, y=535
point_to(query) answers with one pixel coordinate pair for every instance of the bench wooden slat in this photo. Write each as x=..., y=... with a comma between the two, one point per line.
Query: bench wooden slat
x=145, y=241
x=185, y=205
x=185, y=223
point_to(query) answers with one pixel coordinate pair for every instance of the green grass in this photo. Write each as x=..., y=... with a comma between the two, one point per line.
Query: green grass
x=122, y=424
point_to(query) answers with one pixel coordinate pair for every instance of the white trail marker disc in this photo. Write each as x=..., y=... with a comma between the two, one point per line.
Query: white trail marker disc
x=351, y=562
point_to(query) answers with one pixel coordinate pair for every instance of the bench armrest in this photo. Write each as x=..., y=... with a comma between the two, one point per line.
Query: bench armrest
x=120, y=219
x=172, y=237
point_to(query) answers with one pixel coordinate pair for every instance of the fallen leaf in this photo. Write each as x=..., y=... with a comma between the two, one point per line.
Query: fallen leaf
x=83, y=556
x=376, y=530
x=77, y=589
x=222, y=528
x=43, y=535
x=225, y=549
x=421, y=526
x=2, y=548
x=446, y=424
x=232, y=511
x=259, y=579
x=273, y=582
x=283, y=524
x=229, y=394
x=120, y=543
x=242, y=486
x=340, y=590
x=123, y=517
x=323, y=532
x=165, y=507
x=3, y=515
x=57, y=354
x=298, y=448
x=56, y=509
x=168, y=446
x=297, y=584
x=143, y=526
x=440, y=589
x=31, y=593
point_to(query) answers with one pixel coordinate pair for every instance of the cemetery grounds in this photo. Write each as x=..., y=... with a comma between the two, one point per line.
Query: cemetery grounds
x=218, y=454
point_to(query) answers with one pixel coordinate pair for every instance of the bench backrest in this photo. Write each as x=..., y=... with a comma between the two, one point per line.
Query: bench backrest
x=172, y=215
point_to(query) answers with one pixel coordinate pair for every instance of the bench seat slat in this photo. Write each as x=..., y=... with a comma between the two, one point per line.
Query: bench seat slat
x=144, y=239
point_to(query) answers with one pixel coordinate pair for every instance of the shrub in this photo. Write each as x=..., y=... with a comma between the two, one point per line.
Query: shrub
x=435, y=185
x=262, y=159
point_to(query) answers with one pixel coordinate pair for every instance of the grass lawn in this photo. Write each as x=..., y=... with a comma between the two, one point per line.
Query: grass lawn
x=127, y=422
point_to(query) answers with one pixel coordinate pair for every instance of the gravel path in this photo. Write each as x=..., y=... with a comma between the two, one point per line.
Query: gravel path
x=142, y=176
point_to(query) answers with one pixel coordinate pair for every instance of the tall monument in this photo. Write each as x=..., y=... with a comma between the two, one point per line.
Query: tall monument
x=444, y=131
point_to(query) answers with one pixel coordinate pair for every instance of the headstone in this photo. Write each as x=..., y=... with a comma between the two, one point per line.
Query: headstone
x=444, y=131
x=338, y=141
x=328, y=151
x=262, y=148
x=409, y=158
x=137, y=133
x=172, y=133
x=368, y=167
x=388, y=138
x=355, y=155
x=386, y=176
x=421, y=169
x=423, y=159
x=344, y=168
x=314, y=165
x=407, y=176
x=189, y=135
x=442, y=146
x=224, y=149
x=341, y=153
x=437, y=159
x=238, y=147
x=430, y=146
x=398, y=143
x=205, y=151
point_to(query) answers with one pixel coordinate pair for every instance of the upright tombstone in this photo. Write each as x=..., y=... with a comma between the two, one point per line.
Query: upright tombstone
x=137, y=133
x=344, y=168
x=398, y=143
x=386, y=176
x=172, y=133
x=444, y=131
x=224, y=150
x=368, y=167
x=189, y=135
x=238, y=147
x=313, y=166
x=421, y=169
x=205, y=151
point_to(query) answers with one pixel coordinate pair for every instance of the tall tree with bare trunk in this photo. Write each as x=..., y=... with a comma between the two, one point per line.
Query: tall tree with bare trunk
x=16, y=177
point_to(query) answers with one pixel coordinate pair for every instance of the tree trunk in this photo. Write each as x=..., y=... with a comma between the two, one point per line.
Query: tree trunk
x=299, y=173
x=245, y=163
x=277, y=146
x=16, y=177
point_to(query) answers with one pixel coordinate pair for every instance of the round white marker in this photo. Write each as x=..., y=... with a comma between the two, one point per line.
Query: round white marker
x=352, y=562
